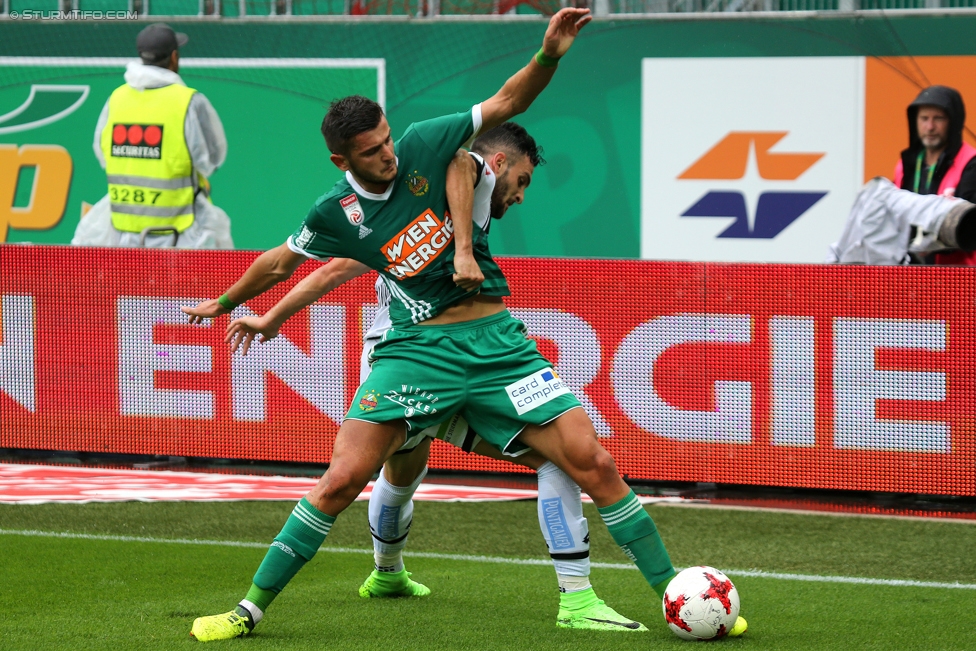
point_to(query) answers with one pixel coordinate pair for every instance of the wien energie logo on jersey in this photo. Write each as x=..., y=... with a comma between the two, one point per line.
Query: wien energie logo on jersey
x=415, y=246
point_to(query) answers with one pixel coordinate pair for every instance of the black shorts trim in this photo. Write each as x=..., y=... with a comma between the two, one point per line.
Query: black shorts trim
x=470, y=439
x=570, y=556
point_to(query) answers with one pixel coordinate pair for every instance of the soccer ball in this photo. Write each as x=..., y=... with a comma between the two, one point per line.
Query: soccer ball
x=701, y=604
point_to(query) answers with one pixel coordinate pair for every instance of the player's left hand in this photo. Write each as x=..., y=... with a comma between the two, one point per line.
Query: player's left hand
x=562, y=30
x=207, y=310
x=242, y=332
x=467, y=274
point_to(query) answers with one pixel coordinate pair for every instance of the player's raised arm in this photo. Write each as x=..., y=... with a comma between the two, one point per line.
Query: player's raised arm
x=241, y=332
x=269, y=269
x=462, y=175
x=524, y=86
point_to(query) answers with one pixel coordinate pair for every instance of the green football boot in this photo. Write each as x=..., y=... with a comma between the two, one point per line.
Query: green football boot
x=221, y=627
x=584, y=610
x=385, y=585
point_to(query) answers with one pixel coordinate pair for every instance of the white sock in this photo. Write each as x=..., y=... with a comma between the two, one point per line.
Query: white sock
x=573, y=583
x=390, y=515
x=256, y=613
x=564, y=527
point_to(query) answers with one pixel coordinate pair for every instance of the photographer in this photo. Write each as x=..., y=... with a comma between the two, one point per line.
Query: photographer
x=893, y=224
x=937, y=161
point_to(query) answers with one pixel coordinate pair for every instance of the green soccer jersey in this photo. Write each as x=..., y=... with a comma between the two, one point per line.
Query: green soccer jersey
x=406, y=233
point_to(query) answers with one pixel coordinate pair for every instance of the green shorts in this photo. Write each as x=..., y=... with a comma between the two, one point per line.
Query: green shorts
x=487, y=370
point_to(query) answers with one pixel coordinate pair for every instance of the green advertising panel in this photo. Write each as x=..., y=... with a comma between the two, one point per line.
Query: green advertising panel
x=586, y=202
x=271, y=110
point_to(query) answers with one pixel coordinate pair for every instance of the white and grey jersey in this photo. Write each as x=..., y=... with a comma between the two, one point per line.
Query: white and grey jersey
x=481, y=211
x=381, y=322
x=480, y=215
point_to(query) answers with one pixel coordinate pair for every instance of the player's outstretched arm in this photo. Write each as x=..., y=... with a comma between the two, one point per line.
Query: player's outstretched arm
x=241, y=332
x=461, y=177
x=524, y=86
x=269, y=269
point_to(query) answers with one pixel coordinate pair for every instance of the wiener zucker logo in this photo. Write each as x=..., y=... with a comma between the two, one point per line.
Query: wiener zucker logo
x=727, y=161
x=414, y=400
x=137, y=141
x=415, y=246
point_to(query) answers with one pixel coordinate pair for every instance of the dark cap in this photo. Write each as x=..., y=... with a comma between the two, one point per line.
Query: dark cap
x=157, y=41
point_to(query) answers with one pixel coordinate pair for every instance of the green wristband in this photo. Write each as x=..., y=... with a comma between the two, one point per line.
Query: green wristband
x=226, y=303
x=545, y=60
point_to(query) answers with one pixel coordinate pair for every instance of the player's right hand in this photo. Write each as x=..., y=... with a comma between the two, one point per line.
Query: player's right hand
x=563, y=28
x=206, y=310
x=242, y=332
x=467, y=274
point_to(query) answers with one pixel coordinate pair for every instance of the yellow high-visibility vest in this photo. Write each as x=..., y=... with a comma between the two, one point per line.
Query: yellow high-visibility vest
x=150, y=174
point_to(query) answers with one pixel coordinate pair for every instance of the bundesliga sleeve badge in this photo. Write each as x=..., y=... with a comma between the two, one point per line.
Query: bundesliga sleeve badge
x=354, y=213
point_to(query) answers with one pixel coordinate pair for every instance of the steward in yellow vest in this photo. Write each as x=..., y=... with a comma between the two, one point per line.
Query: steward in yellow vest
x=150, y=174
x=158, y=142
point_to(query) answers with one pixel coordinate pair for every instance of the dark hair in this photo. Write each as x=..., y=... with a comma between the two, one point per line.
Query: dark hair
x=511, y=138
x=347, y=118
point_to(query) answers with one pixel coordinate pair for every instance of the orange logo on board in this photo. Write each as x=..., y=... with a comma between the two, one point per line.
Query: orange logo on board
x=415, y=246
x=727, y=160
x=52, y=181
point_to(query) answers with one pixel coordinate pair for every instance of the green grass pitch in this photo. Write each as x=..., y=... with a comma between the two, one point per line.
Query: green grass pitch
x=61, y=593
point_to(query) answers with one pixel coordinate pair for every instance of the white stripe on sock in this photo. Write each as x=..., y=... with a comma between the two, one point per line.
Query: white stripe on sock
x=315, y=516
x=309, y=522
x=302, y=514
x=623, y=513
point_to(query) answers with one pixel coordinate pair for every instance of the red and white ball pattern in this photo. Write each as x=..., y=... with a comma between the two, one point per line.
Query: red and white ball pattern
x=701, y=604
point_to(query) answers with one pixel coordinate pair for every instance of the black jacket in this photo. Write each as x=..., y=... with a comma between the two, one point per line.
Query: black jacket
x=949, y=100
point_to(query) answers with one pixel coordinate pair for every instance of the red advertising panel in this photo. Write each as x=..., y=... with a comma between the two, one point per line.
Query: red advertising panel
x=809, y=376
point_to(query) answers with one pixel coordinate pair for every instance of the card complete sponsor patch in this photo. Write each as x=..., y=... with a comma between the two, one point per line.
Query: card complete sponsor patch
x=535, y=390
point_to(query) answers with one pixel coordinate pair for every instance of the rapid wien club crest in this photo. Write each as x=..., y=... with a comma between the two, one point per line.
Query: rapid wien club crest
x=369, y=400
x=417, y=184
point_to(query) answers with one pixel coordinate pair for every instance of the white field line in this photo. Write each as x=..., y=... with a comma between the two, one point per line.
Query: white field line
x=783, y=576
x=704, y=504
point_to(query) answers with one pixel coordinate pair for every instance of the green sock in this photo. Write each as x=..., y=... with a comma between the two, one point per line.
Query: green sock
x=296, y=544
x=633, y=529
x=260, y=597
